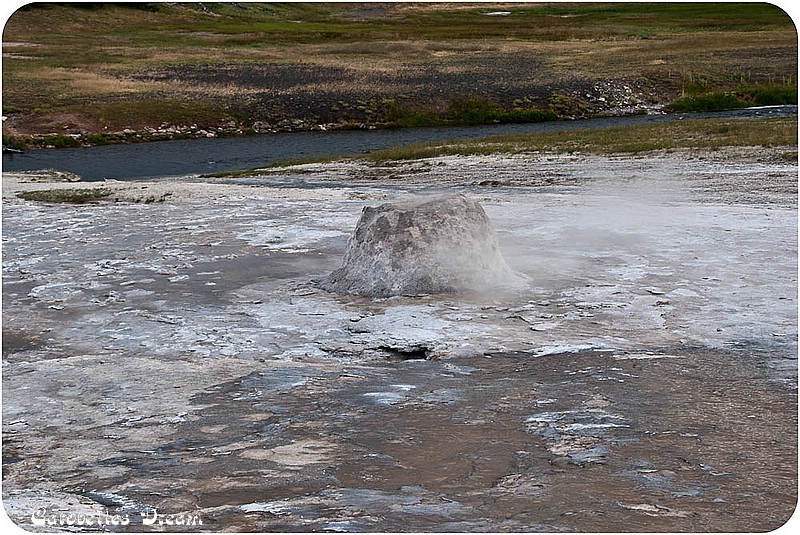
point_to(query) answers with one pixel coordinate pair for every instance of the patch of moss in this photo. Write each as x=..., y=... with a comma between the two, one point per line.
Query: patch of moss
x=74, y=196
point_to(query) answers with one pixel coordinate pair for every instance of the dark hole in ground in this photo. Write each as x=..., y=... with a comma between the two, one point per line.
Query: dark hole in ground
x=406, y=353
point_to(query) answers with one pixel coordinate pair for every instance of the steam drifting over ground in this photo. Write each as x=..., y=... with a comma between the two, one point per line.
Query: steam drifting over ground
x=178, y=355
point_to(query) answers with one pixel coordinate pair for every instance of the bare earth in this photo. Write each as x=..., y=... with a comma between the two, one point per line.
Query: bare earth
x=176, y=358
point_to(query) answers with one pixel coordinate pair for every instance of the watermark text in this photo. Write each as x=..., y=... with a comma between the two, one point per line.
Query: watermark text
x=44, y=517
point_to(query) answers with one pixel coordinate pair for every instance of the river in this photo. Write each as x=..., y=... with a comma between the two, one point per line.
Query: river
x=187, y=157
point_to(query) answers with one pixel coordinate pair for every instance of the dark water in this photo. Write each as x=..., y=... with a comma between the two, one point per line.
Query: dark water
x=185, y=157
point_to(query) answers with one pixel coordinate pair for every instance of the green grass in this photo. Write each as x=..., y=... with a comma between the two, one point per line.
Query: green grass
x=61, y=142
x=464, y=111
x=773, y=94
x=482, y=110
x=72, y=36
x=691, y=134
x=292, y=23
x=13, y=143
x=72, y=196
x=717, y=101
x=754, y=95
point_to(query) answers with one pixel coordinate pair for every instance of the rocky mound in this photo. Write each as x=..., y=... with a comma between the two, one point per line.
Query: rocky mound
x=444, y=245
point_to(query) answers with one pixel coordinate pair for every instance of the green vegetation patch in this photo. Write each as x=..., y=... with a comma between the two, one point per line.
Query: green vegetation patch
x=755, y=95
x=73, y=196
x=61, y=142
x=468, y=110
x=89, y=196
x=701, y=134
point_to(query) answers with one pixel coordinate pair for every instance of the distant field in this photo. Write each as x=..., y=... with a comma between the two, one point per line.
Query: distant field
x=97, y=73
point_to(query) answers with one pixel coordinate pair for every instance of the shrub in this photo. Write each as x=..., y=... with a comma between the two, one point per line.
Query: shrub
x=474, y=110
x=14, y=143
x=98, y=139
x=708, y=102
x=61, y=142
x=753, y=95
x=773, y=94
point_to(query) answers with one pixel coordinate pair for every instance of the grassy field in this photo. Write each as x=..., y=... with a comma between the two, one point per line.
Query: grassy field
x=710, y=134
x=95, y=73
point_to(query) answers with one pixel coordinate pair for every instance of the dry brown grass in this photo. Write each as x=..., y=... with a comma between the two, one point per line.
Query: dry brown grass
x=737, y=52
x=55, y=57
x=76, y=82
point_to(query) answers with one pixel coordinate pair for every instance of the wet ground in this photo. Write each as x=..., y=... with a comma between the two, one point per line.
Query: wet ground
x=177, y=357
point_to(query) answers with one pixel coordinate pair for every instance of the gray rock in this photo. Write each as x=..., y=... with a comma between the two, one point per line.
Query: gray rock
x=444, y=245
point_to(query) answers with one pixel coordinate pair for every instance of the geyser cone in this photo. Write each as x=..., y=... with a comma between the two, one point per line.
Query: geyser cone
x=445, y=245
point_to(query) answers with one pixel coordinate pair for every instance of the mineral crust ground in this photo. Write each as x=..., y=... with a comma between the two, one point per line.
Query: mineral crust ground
x=167, y=348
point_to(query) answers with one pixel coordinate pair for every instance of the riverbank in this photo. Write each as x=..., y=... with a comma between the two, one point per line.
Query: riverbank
x=766, y=126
